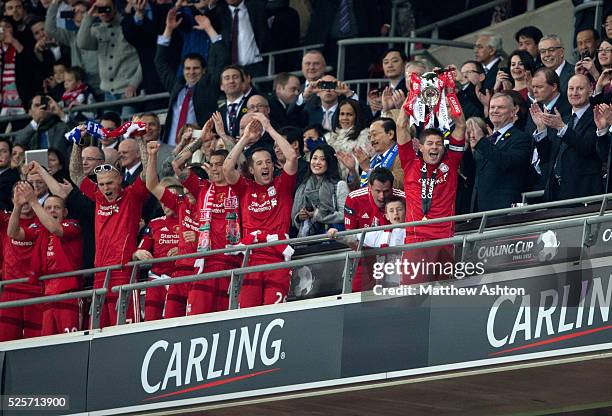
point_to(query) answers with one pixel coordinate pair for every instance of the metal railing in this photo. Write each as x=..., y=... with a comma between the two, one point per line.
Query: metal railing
x=435, y=27
x=95, y=106
x=342, y=44
x=350, y=258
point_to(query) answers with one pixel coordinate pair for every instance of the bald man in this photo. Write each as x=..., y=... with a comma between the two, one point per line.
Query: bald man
x=129, y=159
x=570, y=155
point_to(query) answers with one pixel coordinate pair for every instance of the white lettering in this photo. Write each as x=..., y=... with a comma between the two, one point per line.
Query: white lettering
x=144, y=371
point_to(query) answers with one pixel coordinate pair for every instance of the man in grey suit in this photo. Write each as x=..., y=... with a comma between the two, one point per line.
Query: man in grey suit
x=47, y=128
x=552, y=54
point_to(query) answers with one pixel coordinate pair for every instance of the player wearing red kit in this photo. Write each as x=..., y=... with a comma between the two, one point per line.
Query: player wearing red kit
x=365, y=208
x=160, y=239
x=430, y=184
x=265, y=205
x=24, y=321
x=117, y=221
x=218, y=227
x=184, y=206
x=58, y=249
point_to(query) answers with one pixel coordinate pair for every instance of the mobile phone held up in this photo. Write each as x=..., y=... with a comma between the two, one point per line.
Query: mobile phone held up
x=67, y=14
x=327, y=85
x=104, y=9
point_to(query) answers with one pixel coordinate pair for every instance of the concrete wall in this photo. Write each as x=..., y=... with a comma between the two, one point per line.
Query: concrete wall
x=555, y=18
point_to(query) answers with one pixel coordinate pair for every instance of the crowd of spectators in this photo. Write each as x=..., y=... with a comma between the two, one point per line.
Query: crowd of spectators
x=234, y=165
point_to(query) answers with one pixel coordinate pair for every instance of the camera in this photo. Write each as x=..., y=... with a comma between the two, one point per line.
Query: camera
x=67, y=14
x=104, y=9
x=44, y=102
x=327, y=85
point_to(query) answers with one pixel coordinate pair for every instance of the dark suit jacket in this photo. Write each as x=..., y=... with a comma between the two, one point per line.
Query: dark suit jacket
x=470, y=104
x=291, y=116
x=500, y=168
x=369, y=15
x=580, y=164
x=131, y=178
x=234, y=129
x=563, y=107
x=7, y=180
x=221, y=19
x=491, y=75
x=566, y=74
x=205, y=92
x=314, y=114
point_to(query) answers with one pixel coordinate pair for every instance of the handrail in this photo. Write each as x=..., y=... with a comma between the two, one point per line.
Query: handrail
x=322, y=237
x=94, y=106
x=99, y=294
x=452, y=19
x=342, y=44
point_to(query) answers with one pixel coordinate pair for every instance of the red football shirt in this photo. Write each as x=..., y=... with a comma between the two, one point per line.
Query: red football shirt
x=266, y=208
x=360, y=210
x=223, y=195
x=17, y=255
x=159, y=237
x=63, y=254
x=186, y=211
x=443, y=197
x=116, y=223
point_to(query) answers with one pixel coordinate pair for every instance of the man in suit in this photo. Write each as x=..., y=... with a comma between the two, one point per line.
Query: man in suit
x=568, y=146
x=393, y=64
x=313, y=68
x=129, y=159
x=548, y=97
x=501, y=158
x=552, y=54
x=232, y=81
x=47, y=128
x=244, y=27
x=324, y=112
x=8, y=176
x=472, y=77
x=193, y=97
x=383, y=138
x=487, y=50
x=283, y=110
x=153, y=134
x=333, y=20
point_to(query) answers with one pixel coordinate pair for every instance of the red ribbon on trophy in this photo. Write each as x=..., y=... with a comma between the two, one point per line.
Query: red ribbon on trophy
x=428, y=98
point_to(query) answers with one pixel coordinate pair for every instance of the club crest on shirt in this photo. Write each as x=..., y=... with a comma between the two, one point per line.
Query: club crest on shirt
x=272, y=191
x=231, y=202
x=443, y=167
x=176, y=228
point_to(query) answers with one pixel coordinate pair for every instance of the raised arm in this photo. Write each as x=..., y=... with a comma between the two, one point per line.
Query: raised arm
x=251, y=135
x=152, y=180
x=61, y=35
x=58, y=189
x=54, y=226
x=291, y=163
x=144, y=158
x=76, y=162
x=403, y=127
x=85, y=39
x=14, y=230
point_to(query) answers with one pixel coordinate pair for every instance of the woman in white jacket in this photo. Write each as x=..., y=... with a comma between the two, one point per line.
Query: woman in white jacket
x=349, y=134
x=319, y=201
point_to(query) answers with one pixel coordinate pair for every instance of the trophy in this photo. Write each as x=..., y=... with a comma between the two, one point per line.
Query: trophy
x=429, y=96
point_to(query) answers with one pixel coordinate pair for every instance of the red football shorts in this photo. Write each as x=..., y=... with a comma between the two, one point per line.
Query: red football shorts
x=176, y=299
x=60, y=317
x=19, y=322
x=108, y=315
x=432, y=259
x=209, y=295
x=264, y=288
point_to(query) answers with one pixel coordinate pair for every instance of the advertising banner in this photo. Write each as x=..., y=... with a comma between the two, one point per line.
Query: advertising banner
x=527, y=250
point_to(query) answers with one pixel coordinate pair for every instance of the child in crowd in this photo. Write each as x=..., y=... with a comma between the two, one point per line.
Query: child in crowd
x=77, y=92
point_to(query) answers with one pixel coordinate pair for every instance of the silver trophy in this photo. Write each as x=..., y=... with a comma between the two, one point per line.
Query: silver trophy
x=430, y=93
